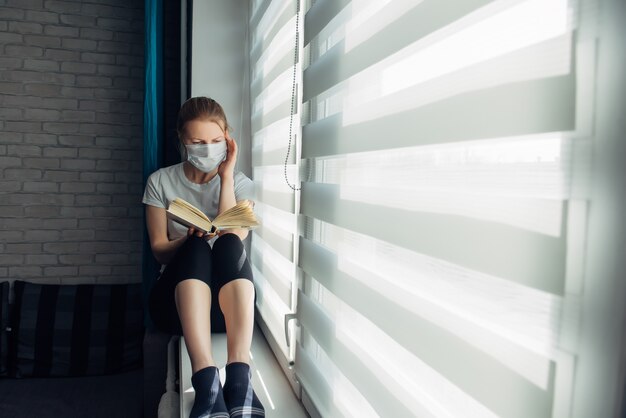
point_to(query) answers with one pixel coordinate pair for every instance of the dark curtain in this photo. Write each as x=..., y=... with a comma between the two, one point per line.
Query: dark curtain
x=152, y=124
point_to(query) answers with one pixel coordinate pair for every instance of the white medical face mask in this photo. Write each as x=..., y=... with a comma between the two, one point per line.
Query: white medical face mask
x=206, y=157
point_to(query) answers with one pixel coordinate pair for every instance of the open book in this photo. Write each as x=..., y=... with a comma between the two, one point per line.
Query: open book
x=240, y=216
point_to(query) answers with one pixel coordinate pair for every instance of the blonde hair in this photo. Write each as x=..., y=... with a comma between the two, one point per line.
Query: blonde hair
x=203, y=108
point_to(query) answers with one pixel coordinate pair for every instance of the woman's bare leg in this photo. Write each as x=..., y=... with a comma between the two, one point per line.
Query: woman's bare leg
x=193, y=301
x=237, y=303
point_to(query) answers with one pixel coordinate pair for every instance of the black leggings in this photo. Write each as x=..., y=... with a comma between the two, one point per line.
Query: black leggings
x=195, y=259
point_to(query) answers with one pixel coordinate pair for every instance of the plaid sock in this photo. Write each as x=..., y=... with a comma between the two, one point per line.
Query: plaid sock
x=209, y=400
x=240, y=398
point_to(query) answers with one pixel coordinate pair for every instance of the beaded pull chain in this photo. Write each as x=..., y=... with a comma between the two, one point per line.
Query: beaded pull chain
x=293, y=96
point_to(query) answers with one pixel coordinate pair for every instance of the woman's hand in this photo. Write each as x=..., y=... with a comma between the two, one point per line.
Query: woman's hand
x=200, y=234
x=227, y=167
x=192, y=231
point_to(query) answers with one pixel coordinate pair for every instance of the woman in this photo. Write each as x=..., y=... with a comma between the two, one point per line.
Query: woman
x=206, y=283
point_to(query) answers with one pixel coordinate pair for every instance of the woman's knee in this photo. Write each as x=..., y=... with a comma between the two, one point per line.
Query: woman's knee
x=231, y=261
x=229, y=250
x=192, y=283
x=195, y=242
x=228, y=242
x=193, y=250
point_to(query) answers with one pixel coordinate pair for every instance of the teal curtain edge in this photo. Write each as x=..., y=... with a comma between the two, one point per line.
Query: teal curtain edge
x=152, y=129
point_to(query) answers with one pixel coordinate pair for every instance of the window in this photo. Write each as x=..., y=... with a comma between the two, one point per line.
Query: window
x=439, y=233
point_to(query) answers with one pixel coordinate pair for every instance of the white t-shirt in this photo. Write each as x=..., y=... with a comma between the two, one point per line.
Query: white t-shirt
x=166, y=184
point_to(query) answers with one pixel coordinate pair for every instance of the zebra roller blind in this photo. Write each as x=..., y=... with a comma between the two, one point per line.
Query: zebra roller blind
x=443, y=204
x=273, y=246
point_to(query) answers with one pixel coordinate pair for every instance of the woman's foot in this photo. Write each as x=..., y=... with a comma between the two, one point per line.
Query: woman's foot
x=239, y=396
x=209, y=400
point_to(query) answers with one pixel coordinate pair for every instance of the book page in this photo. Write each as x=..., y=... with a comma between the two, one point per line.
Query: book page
x=188, y=206
x=240, y=216
x=186, y=214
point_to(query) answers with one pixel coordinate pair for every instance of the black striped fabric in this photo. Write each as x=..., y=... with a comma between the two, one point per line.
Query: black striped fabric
x=4, y=323
x=75, y=330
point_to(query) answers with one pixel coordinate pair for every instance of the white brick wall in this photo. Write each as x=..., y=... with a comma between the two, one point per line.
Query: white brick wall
x=71, y=89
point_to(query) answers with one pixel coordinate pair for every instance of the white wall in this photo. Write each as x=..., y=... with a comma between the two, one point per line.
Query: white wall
x=219, y=68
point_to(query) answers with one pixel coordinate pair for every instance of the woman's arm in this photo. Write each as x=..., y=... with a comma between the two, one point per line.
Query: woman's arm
x=162, y=248
x=226, y=172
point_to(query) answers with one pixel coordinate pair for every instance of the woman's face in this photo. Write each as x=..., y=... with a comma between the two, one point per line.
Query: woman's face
x=200, y=131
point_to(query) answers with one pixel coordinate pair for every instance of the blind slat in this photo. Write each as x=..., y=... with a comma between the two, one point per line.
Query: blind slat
x=286, y=14
x=321, y=326
x=492, y=113
x=316, y=385
x=500, y=390
x=423, y=19
x=261, y=83
x=273, y=157
x=283, y=201
x=281, y=290
x=527, y=258
x=318, y=16
x=281, y=111
x=283, y=246
x=261, y=9
x=271, y=308
x=324, y=266
x=269, y=145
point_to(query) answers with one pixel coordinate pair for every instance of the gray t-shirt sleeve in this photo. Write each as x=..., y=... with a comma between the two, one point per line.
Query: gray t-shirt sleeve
x=153, y=194
x=244, y=188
